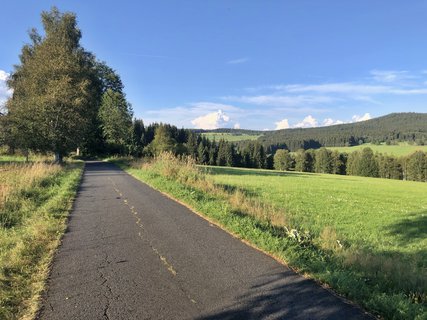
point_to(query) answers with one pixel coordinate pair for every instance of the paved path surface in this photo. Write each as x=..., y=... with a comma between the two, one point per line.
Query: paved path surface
x=132, y=253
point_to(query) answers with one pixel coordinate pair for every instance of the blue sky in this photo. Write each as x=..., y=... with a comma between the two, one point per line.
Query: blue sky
x=248, y=64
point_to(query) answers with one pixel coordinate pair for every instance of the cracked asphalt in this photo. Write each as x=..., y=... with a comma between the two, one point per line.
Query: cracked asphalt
x=132, y=253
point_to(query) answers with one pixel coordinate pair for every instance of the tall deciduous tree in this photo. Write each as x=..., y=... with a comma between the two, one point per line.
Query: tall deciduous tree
x=55, y=89
x=282, y=160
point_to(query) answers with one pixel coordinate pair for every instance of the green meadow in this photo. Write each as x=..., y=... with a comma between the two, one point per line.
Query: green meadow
x=402, y=149
x=376, y=214
x=229, y=136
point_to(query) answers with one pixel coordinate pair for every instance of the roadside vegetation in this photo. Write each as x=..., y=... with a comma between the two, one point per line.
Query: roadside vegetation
x=364, y=237
x=35, y=198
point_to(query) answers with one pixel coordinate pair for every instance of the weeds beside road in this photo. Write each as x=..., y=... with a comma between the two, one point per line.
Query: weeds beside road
x=35, y=199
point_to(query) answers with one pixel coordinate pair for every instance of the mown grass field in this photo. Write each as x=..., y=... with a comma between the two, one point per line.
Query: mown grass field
x=364, y=237
x=376, y=214
x=229, y=136
x=35, y=199
x=402, y=149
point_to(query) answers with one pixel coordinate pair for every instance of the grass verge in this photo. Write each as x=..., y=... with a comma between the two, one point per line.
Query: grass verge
x=34, y=204
x=366, y=277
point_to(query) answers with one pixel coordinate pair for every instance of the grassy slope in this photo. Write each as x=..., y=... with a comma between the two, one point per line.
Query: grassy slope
x=313, y=201
x=229, y=136
x=33, y=219
x=402, y=149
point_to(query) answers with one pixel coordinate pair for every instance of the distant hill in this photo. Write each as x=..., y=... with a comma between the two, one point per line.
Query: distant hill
x=392, y=127
x=231, y=131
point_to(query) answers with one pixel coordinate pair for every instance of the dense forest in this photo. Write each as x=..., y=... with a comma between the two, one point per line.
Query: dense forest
x=388, y=129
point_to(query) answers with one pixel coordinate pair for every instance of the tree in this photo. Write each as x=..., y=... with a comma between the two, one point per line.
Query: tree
x=55, y=89
x=192, y=145
x=137, y=137
x=368, y=167
x=163, y=141
x=203, y=153
x=323, y=163
x=389, y=167
x=339, y=161
x=282, y=160
x=416, y=169
x=115, y=115
x=353, y=163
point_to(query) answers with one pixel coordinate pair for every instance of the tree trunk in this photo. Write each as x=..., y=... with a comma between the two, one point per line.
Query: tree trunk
x=58, y=157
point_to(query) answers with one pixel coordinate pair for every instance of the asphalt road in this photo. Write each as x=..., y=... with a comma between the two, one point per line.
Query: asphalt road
x=131, y=253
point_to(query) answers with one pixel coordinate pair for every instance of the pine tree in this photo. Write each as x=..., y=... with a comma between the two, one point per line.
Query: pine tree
x=203, y=154
x=163, y=142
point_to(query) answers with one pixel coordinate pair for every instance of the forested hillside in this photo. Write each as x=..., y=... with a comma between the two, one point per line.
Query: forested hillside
x=392, y=127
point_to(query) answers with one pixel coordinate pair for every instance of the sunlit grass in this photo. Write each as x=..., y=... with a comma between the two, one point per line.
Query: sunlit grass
x=35, y=199
x=402, y=149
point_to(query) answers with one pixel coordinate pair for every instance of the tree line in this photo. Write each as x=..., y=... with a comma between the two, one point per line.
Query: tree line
x=363, y=163
x=252, y=154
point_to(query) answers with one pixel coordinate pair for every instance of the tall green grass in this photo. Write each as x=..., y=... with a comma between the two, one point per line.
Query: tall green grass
x=34, y=203
x=363, y=237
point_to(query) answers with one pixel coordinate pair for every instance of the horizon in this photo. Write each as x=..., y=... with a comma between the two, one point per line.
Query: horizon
x=260, y=66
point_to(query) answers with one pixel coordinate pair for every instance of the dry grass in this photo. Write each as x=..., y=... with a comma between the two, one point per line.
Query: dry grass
x=35, y=199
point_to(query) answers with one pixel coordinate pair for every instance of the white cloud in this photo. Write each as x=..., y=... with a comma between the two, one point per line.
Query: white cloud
x=4, y=75
x=281, y=101
x=236, y=126
x=238, y=61
x=5, y=92
x=282, y=124
x=389, y=75
x=331, y=122
x=353, y=90
x=212, y=120
x=343, y=87
x=308, y=122
x=357, y=118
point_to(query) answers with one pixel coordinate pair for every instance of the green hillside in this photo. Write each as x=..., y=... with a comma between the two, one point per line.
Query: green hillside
x=392, y=127
x=230, y=136
x=401, y=149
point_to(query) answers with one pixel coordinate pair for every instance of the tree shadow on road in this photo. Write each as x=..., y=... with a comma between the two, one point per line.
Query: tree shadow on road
x=286, y=295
